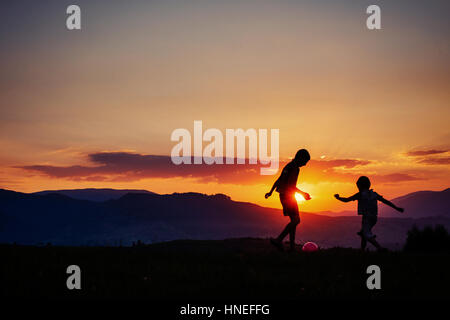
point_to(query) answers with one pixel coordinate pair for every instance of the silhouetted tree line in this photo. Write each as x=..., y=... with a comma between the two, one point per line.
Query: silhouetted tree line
x=429, y=239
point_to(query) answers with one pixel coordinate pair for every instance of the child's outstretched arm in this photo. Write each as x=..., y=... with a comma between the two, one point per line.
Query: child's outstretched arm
x=343, y=199
x=390, y=204
x=303, y=193
x=268, y=194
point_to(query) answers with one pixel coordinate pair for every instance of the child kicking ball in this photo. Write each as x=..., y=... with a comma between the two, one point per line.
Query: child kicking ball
x=368, y=208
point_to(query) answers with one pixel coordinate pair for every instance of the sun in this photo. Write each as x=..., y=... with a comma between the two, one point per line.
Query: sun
x=299, y=197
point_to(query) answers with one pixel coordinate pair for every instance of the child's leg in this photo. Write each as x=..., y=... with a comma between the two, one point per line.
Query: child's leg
x=290, y=208
x=285, y=232
x=371, y=223
x=363, y=233
x=368, y=222
x=363, y=243
x=290, y=227
x=295, y=220
x=363, y=240
x=375, y=243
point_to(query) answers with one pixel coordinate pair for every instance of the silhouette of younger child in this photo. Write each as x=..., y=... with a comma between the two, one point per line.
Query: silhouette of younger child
x=368, y=208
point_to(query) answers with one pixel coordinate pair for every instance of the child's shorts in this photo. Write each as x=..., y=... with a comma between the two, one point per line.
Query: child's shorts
x=290, y=206
x=368, y=222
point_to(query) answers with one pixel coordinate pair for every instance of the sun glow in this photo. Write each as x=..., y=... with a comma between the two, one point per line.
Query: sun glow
x=299, y=197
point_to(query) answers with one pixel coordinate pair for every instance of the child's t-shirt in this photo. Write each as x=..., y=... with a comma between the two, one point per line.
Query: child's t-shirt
x=288, y=178
x=367, y=202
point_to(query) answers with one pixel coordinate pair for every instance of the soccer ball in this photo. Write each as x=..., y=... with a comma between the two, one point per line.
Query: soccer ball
x=310, y=247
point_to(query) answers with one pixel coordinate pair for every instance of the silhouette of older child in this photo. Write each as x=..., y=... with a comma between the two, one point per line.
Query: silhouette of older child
x=286, y=186
x=368, y=208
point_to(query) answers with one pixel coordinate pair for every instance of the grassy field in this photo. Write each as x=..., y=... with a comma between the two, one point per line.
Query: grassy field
x=214, y=270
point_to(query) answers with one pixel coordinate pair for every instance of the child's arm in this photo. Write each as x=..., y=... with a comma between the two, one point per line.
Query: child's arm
x=390, y=204
x=303, y=193
x=343, y=199
x=268, y=194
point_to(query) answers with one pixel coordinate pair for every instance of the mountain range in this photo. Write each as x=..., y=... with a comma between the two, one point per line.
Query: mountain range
x=121, y=217
x=97, y=195
x=421, y=204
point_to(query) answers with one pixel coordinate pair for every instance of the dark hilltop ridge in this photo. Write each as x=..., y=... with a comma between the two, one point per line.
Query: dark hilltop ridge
x=111, y=217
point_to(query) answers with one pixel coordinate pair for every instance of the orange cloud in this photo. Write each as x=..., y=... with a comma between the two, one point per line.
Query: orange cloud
x=438, y=157
x=127, y=167
x=435, y=161
x=124, y=166
x=425, y=152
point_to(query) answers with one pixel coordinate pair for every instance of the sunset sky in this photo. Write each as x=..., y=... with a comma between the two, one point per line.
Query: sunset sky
x=96, y=107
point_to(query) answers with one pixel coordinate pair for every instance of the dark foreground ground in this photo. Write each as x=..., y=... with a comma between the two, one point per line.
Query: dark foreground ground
x=215, y=270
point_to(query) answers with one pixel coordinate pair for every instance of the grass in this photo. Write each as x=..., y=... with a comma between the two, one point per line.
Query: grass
x=214, y=270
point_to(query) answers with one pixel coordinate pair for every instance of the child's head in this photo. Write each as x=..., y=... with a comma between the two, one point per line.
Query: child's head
x=363, y=183
x=302, y=157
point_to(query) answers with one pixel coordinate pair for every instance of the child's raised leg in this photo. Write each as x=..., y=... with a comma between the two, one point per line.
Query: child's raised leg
x=376, y=244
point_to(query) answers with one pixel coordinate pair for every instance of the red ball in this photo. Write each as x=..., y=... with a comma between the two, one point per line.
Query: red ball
x=310, y=247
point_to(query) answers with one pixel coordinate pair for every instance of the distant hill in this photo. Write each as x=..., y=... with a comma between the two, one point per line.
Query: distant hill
x=150, y=217
x=92, y=194
x=421, y=204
